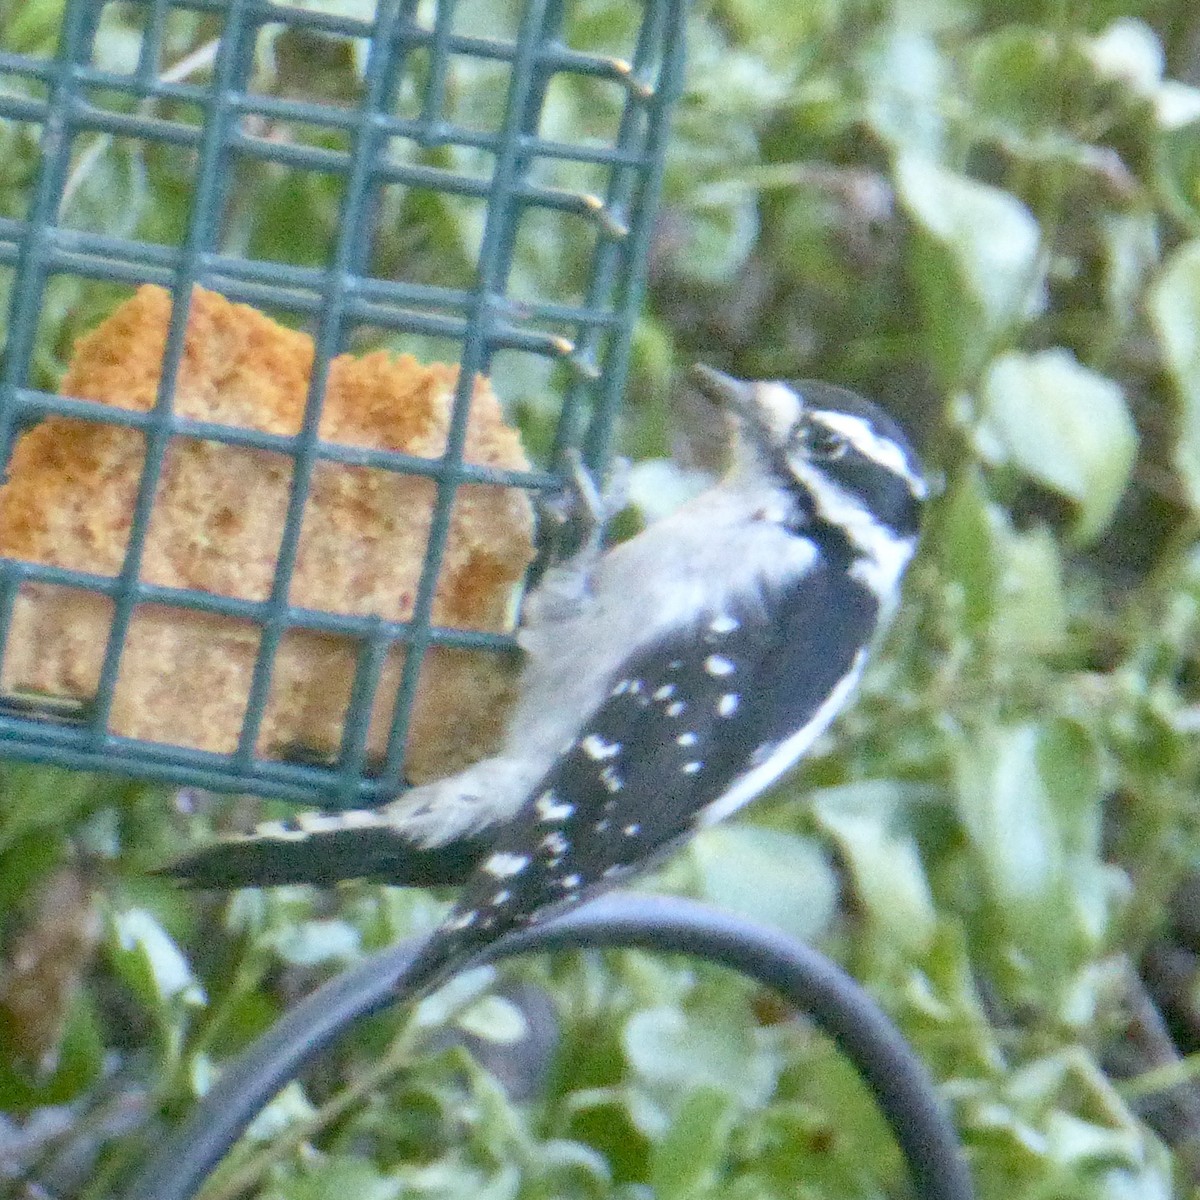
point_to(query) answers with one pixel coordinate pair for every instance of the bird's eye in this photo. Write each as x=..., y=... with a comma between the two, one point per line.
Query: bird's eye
x=822, y=443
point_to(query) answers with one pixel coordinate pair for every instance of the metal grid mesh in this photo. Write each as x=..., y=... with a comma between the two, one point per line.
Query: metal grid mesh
x=411, y=48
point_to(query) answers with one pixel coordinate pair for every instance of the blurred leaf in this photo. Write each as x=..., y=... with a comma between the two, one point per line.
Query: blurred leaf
x=777, y=878
x=676, y=1052
x=50, y=955
x=23, y=863
x=944, y=994
x=78, y=1063
x=1129, y=52
x=1009, y=72
x=967, y=549
x=685, y=1162
x=290, y=1106
x=598, y=23
x=601, y=1117
x=1132, y=249
x=1178, y=170
x=1033, y=835
x=1065, y=426
x=338, y=1178
x=906, y=83
x=713, y=243
x=708, y=243
x=828, y=1136
x=310, y=943
x=571, y=1169
x=742, y=82
x=889, y=880
x=494, y=1019
x=463, y=989
x=1006, y=811
x=40, y=798
x=1068, y=761
x=112, y=189
x=978, y=267
x=282, y=199
x=116, y=48
x=1148, y=1180
x=33, y=27
x=1176, y=105
x=311, y=65
x=935, y=16
x=1031, y=613
x=151, y=964
x=1174, y=304
x=792, y=29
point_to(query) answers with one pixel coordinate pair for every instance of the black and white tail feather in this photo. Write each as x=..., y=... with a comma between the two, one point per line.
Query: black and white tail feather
x=668, y=681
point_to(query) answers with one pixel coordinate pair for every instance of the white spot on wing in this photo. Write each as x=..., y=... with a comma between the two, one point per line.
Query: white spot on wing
x=779, y=758
x=502, y=864
x=570, y=881
x=723, y=623
x=718, y=665
x=665, y=692
x=611, y=780
x=597, y=749
x=674, y=708
x=727, y=705
x=690, y=768
x=551, y=809
x=686, y=739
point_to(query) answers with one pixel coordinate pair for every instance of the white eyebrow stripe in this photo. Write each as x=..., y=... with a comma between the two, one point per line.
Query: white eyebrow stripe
x=867, y=442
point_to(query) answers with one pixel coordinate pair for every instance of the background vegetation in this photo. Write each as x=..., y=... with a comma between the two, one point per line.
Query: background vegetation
x=987, y=217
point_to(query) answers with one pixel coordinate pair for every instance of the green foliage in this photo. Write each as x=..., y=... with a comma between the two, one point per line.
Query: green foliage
x=987, y=218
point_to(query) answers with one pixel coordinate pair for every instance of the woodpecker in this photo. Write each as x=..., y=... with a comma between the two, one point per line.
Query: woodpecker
x=667, y=681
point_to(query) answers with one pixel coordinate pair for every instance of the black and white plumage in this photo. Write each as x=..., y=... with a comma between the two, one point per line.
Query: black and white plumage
x=668, y=680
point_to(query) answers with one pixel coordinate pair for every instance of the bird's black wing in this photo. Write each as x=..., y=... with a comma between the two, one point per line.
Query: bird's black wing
x=685, y=723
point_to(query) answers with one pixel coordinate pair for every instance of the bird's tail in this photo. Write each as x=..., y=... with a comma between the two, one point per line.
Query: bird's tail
x=277, y=855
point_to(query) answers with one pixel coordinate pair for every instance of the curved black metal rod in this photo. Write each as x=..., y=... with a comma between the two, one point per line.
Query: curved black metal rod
x=808, y=980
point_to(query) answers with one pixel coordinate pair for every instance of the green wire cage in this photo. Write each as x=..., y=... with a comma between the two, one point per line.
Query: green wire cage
x=490, y=158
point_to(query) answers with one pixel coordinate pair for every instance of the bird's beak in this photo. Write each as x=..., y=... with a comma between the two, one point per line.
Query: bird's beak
x=723, y=390
x=768, y=409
